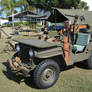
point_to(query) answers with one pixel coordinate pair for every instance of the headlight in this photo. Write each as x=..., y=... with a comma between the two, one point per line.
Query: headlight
x=31, y=53
x=18, y=48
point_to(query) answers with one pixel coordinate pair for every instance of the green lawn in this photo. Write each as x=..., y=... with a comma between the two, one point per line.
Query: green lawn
x=76, y=79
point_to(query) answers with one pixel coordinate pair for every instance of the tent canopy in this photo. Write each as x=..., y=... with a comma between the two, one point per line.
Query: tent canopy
x=60, y=15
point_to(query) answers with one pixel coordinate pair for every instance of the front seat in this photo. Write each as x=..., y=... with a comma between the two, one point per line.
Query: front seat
x=81, y=42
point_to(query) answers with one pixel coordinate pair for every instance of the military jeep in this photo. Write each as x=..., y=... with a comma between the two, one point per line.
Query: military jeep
x=43, y=60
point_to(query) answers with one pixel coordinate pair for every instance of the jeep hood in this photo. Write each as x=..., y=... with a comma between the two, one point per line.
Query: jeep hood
x=36, y=43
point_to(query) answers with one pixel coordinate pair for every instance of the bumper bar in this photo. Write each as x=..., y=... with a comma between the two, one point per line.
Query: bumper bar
x=18, y=68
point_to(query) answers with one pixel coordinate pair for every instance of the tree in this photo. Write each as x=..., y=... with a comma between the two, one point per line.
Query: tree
x=43, y=4
x=83, y=5
x=9, y=7
x=10, y=13
x=66, y=4
x=24, y=5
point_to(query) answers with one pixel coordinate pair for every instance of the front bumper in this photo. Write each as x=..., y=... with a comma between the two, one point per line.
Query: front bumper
x=18, y=68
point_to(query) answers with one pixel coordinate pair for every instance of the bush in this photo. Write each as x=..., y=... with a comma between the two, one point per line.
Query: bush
x=21, y=23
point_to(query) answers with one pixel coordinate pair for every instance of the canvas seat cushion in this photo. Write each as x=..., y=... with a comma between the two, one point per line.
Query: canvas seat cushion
x=78, y=48
x=81, y=43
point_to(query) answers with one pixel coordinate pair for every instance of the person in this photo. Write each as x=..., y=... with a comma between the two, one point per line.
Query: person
x=64, y=33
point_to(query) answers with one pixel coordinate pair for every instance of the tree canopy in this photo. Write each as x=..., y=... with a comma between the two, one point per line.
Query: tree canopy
x=10, y=6
x=66, y=4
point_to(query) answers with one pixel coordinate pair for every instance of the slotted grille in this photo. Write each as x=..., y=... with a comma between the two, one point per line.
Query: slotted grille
x=24, y=52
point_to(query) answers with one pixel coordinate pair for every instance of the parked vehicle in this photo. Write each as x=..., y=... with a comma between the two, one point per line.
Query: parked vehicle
x=53, y=27
x=44, y=59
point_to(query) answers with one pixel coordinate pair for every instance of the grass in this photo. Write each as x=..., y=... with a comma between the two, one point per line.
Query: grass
x=75, y=79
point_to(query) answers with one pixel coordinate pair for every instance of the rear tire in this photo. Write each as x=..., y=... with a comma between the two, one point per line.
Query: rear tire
x=89, y=61
x=46, y=74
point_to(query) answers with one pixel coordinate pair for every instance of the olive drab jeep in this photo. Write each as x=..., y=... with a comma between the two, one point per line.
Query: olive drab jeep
x=45, y=59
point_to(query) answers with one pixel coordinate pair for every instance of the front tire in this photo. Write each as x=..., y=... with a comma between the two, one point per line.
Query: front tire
x=46, y=74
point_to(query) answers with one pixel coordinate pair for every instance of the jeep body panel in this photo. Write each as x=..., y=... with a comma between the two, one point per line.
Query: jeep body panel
x=77, y=57
x=49, y=52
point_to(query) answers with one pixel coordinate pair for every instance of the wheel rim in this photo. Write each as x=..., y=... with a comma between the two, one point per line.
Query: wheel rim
x=48, y=75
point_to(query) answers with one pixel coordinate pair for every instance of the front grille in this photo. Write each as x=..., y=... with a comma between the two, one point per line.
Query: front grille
x=24, y=52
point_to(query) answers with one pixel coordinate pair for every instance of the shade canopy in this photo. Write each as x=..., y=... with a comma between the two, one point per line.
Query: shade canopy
x=61, y=15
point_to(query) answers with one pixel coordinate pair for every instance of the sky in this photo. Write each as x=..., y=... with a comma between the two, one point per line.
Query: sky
x=89, y=3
